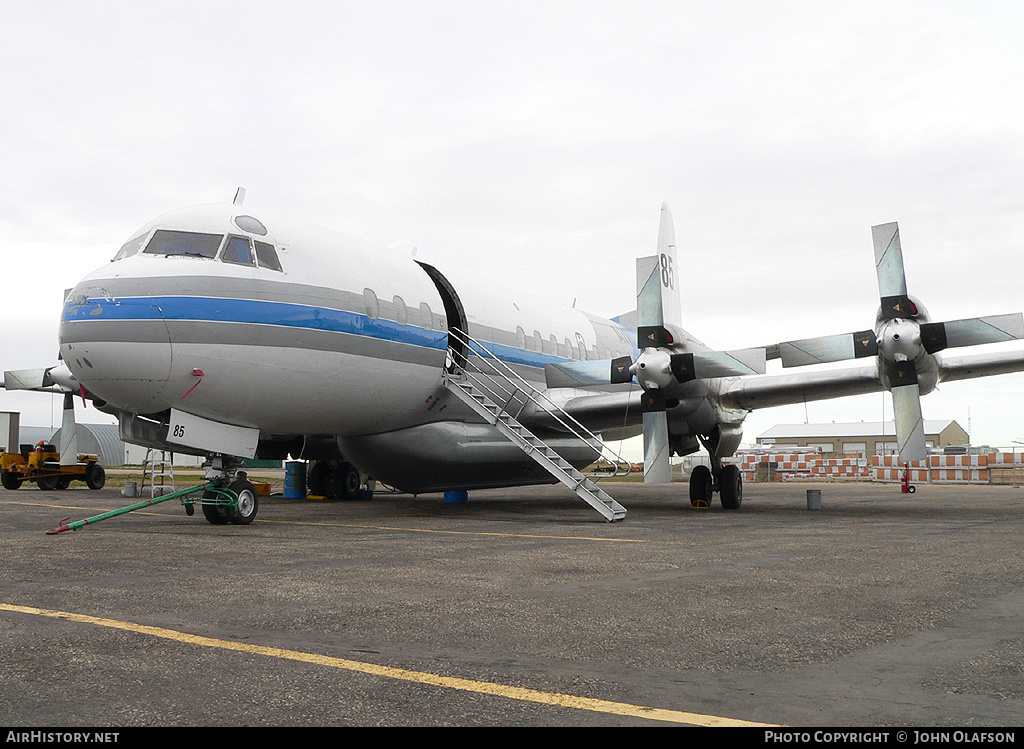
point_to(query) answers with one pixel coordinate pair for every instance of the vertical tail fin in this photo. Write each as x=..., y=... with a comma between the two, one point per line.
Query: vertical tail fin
x=657, y=288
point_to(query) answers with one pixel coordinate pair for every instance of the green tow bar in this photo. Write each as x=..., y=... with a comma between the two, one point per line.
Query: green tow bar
x=225, y=497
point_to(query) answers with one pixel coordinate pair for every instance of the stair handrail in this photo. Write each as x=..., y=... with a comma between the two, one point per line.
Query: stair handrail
x=621, y=465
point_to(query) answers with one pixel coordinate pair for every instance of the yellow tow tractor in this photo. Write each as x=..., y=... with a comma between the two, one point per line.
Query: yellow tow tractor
x=42, y=465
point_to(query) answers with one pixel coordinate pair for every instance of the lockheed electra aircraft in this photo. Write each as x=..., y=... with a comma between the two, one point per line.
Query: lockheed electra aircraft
x=237, y=334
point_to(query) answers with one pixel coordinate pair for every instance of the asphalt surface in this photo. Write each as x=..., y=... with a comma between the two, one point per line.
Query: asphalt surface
x=879, y=609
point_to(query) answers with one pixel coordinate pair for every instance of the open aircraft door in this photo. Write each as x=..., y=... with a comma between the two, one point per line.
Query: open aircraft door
x=456, y=316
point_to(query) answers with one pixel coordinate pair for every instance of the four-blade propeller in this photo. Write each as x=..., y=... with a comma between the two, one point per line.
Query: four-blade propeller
x=903, y=340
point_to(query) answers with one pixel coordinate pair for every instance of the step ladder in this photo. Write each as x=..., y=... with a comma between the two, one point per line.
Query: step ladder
x=159, y=466
x=492, y=390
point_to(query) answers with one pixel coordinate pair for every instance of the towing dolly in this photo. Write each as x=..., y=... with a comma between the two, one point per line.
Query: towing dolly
x=235, y=503
x=41, y=464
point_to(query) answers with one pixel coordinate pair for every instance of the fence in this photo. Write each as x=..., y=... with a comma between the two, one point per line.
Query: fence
x=993, y=467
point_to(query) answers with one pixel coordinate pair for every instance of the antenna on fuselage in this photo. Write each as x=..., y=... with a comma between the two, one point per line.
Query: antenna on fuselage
x=239, y=196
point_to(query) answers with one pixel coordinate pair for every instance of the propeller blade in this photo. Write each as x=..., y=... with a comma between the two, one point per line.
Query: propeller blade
x=652, y=401
x=683, y=368
x=649, y=310
x=828, y=348
x=68, y=433
x=736, y=362
x=906, y=402
x=900, y=373
x=652, y=336
x=656, y=451
x=620, y=370
x=892, y=281
x=936, y=336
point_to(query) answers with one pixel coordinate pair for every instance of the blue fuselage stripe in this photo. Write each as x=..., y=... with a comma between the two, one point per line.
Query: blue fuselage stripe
x=283, y=314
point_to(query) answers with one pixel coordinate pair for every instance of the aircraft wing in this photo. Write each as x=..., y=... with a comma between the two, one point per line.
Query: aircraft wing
x=980, y=365
x=612, y=410
x=599, y=411
x=751, y=393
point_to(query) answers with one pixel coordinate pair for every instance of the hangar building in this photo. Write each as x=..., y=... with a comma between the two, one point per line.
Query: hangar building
x=864, y=437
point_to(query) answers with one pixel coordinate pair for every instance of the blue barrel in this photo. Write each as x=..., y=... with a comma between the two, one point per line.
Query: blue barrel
x=456, y=497
x=295, y=479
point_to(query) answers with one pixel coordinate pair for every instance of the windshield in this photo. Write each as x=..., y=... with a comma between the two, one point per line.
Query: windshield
x=192, y=244
x=131, y=247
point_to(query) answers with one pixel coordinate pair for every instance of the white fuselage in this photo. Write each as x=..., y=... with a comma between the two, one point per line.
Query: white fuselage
x=345, y=338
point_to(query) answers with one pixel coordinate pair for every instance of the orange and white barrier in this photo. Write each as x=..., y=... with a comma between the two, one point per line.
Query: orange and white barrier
x=936, y=469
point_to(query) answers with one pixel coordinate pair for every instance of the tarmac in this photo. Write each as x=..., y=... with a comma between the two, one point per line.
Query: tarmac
x=521, y=607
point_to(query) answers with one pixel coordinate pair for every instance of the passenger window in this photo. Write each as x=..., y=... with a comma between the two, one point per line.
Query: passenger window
x=267, y=256
x=187, y=243
x=569, y=353
x=554, y=346
x=372, y=308
x=426, y=317
x=237, y=250
x=131, y=247
x=520, y=338
x=401, y=314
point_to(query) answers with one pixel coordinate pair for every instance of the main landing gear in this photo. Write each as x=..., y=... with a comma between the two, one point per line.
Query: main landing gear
x=729, y=486
x=335, y=479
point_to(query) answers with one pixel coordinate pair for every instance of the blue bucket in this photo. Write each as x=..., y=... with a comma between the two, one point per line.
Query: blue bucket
x=295, y=480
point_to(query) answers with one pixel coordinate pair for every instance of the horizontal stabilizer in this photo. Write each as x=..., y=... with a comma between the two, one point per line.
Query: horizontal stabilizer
x=27, y=379
x=56, y=379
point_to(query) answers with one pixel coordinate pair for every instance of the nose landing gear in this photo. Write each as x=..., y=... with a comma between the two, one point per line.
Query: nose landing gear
x=231, y=498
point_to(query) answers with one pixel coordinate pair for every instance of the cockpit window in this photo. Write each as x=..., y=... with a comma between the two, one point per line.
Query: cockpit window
x=192, y=244
x=131, y=247
x=267, y=256
x=238, y=250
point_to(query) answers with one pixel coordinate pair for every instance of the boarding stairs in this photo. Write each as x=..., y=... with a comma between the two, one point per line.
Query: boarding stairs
x=494, y=390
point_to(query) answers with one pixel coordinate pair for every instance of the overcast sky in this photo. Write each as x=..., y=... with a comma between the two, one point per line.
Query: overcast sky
x=534, y=143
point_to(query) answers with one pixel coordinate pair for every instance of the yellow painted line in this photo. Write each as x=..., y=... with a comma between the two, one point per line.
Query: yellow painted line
x=467, y=685
x=400, y=529
x=53, y=506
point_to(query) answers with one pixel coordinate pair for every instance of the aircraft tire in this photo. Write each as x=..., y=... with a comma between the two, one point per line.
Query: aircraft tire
x=731, y=487
x=700, y=487
x=319, y=478
x=10, y=480
x=95, y=476
x=348, y=482
x=215, y=514
x=248, y=502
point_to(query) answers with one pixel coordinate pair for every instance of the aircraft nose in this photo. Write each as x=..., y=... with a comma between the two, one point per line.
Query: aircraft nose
x=115, y=346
